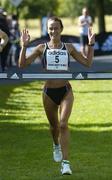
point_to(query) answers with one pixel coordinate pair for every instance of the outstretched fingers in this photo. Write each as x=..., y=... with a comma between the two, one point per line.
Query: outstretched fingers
x=91, y=35
x=25, y=37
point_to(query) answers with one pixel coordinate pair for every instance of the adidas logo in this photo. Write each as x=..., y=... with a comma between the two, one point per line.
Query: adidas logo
x=56, y=53
x=14, y=76
x=79, y=76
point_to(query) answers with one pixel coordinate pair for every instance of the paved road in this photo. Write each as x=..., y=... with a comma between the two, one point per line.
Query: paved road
x=15, y=74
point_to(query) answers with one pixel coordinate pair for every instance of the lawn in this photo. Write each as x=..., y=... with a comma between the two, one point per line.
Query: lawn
x=25, y=140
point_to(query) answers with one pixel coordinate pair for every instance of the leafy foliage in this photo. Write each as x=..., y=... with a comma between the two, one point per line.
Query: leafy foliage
x=73, y=8
x=65, y=8
x=32, y=8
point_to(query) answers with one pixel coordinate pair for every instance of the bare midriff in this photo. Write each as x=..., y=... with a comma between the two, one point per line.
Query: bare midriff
x=55, y=83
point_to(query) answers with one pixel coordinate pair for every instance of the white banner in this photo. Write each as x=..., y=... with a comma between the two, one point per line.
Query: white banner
x=16, y=2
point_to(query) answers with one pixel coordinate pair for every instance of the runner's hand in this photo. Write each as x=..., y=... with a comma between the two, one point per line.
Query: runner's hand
x=25, y=37
x=91, y=36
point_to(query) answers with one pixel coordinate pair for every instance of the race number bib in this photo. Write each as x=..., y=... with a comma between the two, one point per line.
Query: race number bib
x=57, y=59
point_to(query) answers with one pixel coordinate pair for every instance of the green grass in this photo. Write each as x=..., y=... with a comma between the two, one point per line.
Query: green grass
x=25, y=140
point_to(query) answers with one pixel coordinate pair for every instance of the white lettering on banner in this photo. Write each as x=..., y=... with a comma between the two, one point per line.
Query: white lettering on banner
x=79, y=76
x=14, y=76
x=57, y=59
x=16, y=2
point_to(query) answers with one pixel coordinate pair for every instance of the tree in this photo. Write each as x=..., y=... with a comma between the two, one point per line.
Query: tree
x=103, y=7
x=32, y=8
x=97, y=8
x=100, y=14
x=65, y=8
x=73, y=8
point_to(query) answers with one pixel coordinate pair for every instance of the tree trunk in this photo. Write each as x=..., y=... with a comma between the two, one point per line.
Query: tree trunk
x=101, y=15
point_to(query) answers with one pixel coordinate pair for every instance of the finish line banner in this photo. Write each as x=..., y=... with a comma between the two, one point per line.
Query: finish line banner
x=100, y=69
x=46, y=76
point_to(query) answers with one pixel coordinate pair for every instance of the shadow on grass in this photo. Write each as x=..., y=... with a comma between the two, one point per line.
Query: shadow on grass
x=26, y=153
x=5, y=92
x=16, y=103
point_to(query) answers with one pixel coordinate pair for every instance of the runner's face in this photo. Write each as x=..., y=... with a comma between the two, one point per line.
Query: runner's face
x=54, y=29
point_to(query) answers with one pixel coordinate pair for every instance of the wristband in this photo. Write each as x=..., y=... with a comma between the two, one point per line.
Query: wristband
x=91, y=45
